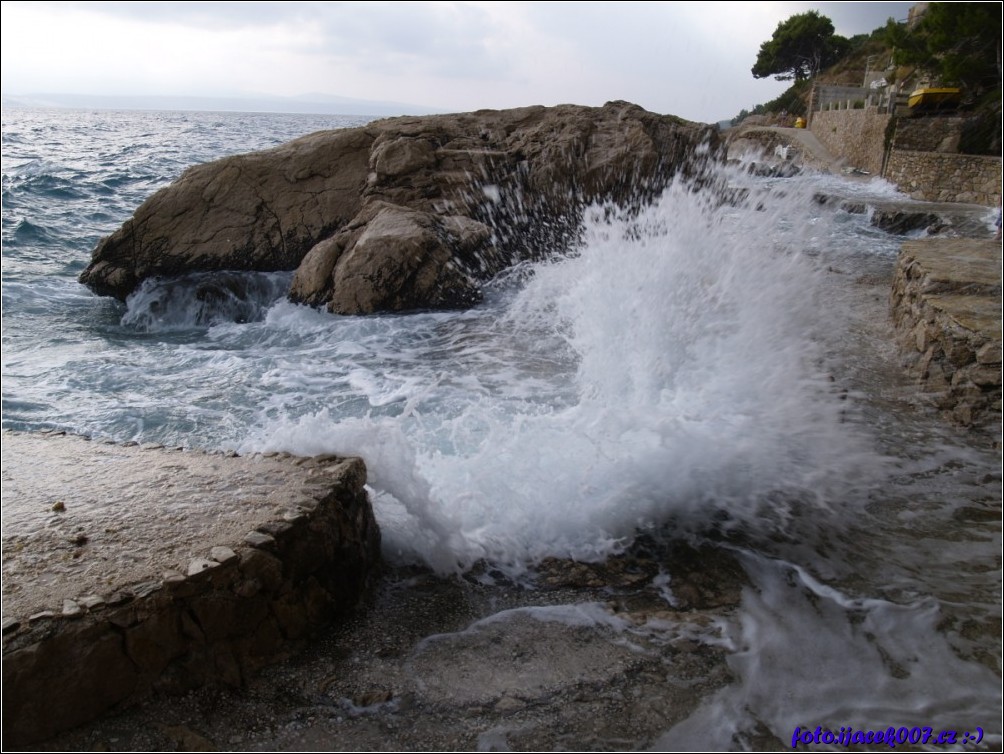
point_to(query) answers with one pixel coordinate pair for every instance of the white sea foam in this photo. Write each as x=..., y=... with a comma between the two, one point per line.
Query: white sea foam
x=675, y=371
x=678, y=354
x=806, y=655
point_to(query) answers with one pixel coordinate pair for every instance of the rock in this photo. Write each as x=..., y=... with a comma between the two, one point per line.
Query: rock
x=198, y=565
x=901, y=222
x=91, y=601
x=990, y=353
x=372, y=697
x=222, y=555
x=257, y=539
x=401, y=259
x=187, y=739
x=945, y=304
x=171, y=576
x=404, y=213
x=257, y=211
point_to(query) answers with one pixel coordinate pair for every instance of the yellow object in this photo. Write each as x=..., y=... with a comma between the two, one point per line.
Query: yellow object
x=799, y=122
x=934, y=97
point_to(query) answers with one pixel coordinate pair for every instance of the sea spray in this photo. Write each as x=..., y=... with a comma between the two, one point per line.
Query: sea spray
x=678, y=352
x=909, y=634
x=203, y=299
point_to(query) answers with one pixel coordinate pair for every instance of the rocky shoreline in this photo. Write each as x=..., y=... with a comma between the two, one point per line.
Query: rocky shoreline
x=269, y=551
x=133, y=573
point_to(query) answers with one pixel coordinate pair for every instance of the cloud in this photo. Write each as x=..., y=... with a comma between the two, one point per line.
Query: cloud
x=689, y=59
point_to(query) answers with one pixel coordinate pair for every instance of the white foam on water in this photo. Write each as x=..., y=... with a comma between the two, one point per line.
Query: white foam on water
x=200, y=300
x=679, y=370
x=806, y=655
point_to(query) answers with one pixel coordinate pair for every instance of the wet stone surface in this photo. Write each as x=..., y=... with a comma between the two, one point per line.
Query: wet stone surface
x=140, y=584
x=579, y=656
x=83, y=518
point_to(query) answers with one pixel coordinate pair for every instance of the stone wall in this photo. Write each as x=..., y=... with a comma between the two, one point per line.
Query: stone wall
x=946, y=307
x=939, y=177
x=922, y=160
x=855, y=135
x=930, y=134
x=234, y=610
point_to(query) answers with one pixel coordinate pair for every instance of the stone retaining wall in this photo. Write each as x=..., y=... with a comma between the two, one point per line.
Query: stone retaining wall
x=234, y=610
x=946, y=306
x=855, y=135
x=929, y=134
x=939, y=177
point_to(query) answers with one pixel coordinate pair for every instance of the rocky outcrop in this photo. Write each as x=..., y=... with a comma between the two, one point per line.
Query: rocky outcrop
x=163, y=571
x=946, y=306
x=403, y=213
x=901, y=218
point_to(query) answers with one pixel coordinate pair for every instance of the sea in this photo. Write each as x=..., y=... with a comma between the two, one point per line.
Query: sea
x=721, y=372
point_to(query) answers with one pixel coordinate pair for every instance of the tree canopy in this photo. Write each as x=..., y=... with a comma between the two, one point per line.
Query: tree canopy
x=800, y=47
x=959, y=43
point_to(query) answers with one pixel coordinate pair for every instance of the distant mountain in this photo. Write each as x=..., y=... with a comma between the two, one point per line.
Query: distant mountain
x=318, y=104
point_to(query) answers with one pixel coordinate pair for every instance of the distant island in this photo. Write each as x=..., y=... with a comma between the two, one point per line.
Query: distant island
x=315, y=104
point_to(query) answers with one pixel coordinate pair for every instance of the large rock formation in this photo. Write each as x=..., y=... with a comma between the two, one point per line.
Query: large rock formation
x=403, y=213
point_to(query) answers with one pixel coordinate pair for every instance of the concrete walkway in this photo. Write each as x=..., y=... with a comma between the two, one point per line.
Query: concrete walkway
x=133, y=569
x=84, y=518
x=811, y=151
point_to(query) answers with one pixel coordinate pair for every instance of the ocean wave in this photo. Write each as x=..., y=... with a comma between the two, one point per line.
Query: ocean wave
x=201, y=300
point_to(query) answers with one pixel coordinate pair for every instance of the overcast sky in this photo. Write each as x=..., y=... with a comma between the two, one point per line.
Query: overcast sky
x=690, y=59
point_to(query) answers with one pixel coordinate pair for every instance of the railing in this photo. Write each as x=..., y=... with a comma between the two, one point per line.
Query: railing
x=827, y=97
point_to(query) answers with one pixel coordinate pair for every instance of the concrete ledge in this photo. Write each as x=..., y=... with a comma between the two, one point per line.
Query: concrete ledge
x=946, y=306
x=130, y=570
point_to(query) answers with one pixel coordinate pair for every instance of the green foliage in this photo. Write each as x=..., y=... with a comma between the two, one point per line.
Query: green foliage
x=791, y=101
x=857, y=41
x=981, y=134
x=743, y=115
x=959, y=43
x=800, y=47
